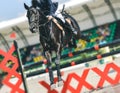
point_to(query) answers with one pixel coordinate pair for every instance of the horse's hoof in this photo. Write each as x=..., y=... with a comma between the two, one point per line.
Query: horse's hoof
x=52, y=86
x=60, y=83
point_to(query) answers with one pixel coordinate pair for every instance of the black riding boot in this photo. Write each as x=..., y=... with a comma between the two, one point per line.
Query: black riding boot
x=68, y=26
x=72, y=43
x=73, y=30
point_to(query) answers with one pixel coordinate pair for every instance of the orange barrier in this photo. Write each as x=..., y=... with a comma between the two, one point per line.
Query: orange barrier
x=11, y=71
x=82, y=80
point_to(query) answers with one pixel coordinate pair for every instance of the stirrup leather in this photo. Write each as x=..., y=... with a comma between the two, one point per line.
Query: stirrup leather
x=59, y=26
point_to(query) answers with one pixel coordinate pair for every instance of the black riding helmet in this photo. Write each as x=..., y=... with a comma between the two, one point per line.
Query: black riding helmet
x=34, y=3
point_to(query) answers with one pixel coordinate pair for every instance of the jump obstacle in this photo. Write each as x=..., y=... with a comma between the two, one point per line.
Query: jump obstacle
x=103, y=74
x=67, y=64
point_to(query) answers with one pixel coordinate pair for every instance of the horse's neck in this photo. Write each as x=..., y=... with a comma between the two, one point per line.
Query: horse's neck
x=42, y=15
x=48, y=30
x=44, y=30
x=42, y=21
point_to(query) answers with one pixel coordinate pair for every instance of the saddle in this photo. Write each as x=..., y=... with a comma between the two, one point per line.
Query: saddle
x=58, y=23
x=66, y=33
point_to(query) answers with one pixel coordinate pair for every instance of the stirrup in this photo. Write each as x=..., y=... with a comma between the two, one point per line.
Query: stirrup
x=75, y=32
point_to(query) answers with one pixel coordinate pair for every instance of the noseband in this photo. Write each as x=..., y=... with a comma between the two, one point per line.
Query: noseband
x=38, y=14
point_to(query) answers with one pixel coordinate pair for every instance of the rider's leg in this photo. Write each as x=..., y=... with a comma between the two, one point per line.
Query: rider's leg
x=59, y=15
x=66, y=21
x=68, y=24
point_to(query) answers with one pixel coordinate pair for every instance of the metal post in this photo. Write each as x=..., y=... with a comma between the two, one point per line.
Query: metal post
x=21, y=68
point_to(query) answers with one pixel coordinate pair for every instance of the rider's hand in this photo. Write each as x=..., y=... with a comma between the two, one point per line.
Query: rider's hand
x=49, y=17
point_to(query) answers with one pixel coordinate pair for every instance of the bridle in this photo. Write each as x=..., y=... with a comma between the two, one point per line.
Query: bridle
x=37, y=13
x=40, y=20
x=33, y=18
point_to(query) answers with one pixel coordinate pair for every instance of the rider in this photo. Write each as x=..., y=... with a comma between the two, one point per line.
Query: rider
x=50, y=10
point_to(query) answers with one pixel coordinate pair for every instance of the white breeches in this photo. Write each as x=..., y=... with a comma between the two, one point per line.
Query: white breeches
x=59, y=15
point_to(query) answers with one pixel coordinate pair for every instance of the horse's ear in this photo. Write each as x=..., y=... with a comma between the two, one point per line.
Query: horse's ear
x=26, y=6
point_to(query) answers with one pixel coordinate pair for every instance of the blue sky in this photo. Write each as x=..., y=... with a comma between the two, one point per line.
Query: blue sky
x=10, y=9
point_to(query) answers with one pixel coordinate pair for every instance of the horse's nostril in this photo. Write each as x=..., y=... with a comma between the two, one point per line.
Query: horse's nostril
x=33, y=27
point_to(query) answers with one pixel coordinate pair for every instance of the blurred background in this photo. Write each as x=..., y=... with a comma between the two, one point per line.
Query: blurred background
x=98, y=19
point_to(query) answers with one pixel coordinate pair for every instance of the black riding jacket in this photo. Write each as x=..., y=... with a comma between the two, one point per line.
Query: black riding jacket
x=47, y=6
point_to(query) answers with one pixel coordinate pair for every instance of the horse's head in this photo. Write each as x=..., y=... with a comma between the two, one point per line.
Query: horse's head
x=33, y=18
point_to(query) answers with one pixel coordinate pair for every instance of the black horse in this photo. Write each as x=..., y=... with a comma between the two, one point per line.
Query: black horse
x=51, y=37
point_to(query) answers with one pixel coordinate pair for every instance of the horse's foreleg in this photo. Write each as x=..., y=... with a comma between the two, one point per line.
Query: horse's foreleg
x=58, y=69
x=50, y=73
x=49, y=66
x=57, y=61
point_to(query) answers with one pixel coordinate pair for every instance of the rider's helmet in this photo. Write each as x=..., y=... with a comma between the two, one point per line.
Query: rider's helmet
x=34, y=3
